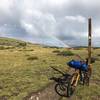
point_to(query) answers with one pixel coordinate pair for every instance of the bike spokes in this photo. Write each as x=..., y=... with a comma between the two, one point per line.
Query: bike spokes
x=61, y=89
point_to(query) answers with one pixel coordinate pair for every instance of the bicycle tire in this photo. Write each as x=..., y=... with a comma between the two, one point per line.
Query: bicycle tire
x=61, y=89
x=86, y=80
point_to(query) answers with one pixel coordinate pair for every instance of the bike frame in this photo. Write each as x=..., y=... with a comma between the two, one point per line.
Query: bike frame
x=75, y=78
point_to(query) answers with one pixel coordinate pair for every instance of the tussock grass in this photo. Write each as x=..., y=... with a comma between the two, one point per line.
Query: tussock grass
x=32, y=58
x=56, y=51
x=19, y=76
x=65, y=53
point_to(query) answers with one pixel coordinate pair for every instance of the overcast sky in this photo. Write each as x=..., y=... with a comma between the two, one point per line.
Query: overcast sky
x=52, y=22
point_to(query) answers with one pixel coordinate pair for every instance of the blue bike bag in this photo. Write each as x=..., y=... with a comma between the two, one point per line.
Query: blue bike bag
x=78, y=65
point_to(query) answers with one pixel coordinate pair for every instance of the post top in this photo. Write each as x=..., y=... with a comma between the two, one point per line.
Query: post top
x=89, y=18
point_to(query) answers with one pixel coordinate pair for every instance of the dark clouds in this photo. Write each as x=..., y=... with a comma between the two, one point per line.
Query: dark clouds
x=52, y=22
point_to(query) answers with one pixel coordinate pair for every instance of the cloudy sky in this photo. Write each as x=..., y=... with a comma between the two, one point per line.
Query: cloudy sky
x=51, y=22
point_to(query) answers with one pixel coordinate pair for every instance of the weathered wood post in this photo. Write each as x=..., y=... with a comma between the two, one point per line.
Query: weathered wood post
x=89, y=44
x=89, y=40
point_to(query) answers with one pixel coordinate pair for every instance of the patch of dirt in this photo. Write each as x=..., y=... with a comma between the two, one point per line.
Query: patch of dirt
x=95, y=81
x=46, y=94
x=49, y=93
x=5, y=97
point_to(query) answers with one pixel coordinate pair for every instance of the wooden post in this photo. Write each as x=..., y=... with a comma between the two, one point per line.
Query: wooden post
x=89, y=44
x=89, y=40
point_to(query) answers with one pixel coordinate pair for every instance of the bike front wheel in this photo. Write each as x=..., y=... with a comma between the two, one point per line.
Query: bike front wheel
x=71, y=87
x=61, y=89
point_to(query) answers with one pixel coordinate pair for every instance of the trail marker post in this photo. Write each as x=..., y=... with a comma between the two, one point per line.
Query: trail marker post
x=89, y=44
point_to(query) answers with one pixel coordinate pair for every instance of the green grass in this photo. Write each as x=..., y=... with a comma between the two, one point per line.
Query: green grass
x=91, y=92
x=66, y=53
x=27, y=69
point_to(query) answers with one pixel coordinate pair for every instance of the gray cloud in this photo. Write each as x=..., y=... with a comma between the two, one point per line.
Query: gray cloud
x=52, y=22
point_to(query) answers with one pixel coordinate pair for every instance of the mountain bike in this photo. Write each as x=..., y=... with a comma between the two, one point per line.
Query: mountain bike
x=66, y=84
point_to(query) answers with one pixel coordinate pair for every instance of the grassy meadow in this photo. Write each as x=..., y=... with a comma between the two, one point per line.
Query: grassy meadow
x=25, y=68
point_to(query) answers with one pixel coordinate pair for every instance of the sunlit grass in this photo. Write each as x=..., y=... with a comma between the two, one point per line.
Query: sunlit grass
x=20, y=75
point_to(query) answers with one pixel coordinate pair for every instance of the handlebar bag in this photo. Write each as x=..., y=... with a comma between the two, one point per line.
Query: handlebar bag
x=77, y=65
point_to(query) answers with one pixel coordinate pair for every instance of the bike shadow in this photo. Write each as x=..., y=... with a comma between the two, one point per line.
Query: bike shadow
x=61, y=79
x=64, y=76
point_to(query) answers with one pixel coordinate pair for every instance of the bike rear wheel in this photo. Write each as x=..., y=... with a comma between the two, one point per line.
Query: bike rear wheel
x=86, y=79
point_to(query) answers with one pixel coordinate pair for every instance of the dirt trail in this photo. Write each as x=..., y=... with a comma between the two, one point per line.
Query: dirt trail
x=46, y=94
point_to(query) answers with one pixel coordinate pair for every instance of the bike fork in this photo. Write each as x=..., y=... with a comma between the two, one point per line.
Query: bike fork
x=76, y=81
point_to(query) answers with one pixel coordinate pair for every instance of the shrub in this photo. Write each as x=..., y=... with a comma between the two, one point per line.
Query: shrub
x=98, y=54
x=29, y=50
x=56, y=51
x=6, y=47
x=2, y=47
x=66, y=53
x=9, y=47
x=78, y=48
x=54, y=47
x=32, y=58
x=22, y=44
x=44, y=61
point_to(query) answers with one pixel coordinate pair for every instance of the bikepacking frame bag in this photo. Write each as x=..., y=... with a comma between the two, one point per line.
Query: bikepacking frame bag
x=78, y=65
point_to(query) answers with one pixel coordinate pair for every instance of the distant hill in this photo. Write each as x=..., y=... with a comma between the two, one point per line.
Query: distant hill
x=18, y=43
x=10, y=42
